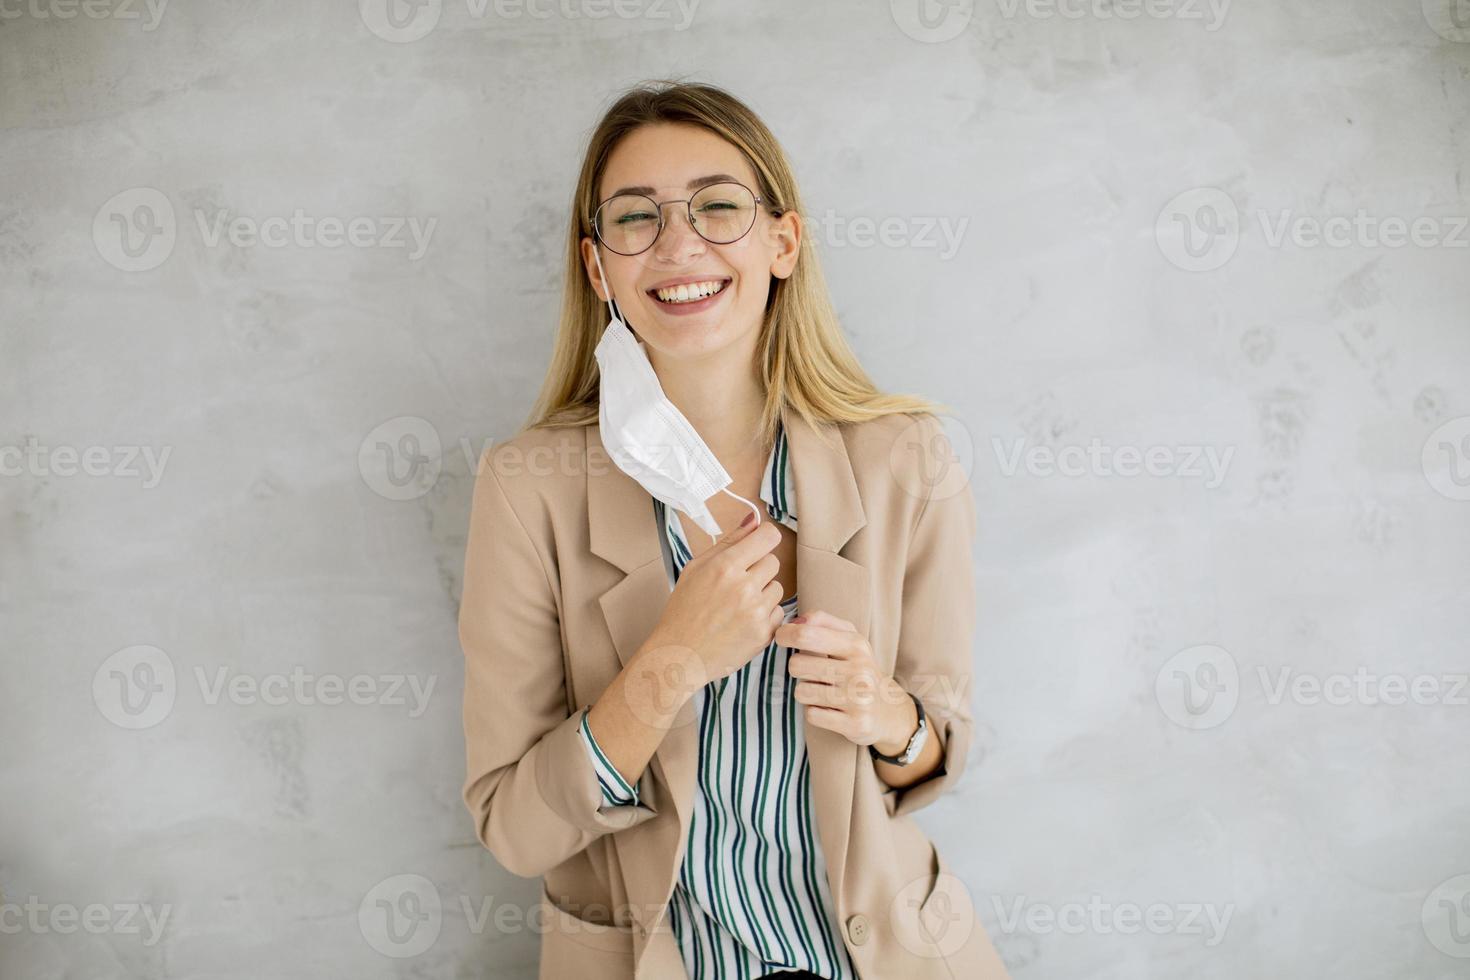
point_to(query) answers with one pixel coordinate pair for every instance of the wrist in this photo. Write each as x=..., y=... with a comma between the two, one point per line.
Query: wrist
x=671, y=670
x=905, y=724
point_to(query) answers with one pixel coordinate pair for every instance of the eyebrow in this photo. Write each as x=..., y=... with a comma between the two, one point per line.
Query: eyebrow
x=697, y=182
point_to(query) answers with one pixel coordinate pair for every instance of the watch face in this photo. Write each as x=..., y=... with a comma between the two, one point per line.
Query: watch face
x=916, y=744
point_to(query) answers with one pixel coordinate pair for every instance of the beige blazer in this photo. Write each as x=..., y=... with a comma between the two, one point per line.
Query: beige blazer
x=564, y=580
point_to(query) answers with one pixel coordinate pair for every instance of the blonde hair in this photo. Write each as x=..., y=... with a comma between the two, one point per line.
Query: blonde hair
x=805, y=360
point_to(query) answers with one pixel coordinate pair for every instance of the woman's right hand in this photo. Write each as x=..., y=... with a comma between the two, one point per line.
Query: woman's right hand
x=726, y=605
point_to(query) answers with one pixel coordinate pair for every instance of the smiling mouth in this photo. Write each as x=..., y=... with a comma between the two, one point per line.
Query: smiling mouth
x=691, y=292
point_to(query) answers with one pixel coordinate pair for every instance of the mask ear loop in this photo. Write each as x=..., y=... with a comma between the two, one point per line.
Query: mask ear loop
x=597, y=255
x=712, y=538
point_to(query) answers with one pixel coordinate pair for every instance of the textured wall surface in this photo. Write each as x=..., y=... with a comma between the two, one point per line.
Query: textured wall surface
x=1194, y=276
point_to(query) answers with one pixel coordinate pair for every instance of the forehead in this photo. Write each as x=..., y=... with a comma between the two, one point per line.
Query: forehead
x=665, y=158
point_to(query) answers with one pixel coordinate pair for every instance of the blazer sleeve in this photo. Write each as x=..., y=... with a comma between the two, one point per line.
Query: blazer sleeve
x=530, y=783
x=933, y=660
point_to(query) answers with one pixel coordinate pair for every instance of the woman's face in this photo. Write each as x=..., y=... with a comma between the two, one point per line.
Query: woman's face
x=675, y=160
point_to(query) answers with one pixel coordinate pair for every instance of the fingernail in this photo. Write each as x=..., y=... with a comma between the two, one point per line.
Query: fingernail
x=748, y=518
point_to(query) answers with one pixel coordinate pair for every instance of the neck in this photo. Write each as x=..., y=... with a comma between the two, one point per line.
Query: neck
x=721, y=396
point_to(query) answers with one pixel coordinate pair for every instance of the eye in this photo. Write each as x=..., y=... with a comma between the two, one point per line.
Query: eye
x=635, y=216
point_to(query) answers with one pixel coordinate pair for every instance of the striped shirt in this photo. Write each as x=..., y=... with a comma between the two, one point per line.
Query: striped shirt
x=752, y=896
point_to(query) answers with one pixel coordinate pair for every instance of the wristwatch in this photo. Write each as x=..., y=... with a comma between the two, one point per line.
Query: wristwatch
x=916, y=740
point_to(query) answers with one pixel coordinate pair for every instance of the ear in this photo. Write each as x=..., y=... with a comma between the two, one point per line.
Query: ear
x=589, y=261
x=785, y=235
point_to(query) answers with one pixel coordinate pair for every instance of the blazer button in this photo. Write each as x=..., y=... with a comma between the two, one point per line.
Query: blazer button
x=857, y=929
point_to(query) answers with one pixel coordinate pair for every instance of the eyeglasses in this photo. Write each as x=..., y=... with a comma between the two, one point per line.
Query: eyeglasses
x=719, y=213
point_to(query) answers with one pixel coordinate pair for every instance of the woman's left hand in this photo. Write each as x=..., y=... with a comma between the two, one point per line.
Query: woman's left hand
x=842, y=686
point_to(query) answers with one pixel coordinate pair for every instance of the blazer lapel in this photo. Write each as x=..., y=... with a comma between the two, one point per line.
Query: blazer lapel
x=829, y=512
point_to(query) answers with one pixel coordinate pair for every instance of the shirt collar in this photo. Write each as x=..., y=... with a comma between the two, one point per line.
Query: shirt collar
x=778, y=489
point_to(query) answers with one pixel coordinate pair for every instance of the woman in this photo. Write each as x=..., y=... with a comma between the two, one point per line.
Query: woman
x=712, y=785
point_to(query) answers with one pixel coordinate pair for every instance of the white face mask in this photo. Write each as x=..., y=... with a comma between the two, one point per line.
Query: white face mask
x=647, y=436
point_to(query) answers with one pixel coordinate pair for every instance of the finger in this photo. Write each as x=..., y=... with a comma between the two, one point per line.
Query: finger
x=808, y=692
x=771, y=595
x=736, y=533
x=814, y=667
x=835, y=643
x=820, y=617
x=755, y=544
x=830, y=718
x=764, y=572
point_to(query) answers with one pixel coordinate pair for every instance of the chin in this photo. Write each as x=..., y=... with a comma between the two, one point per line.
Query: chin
x=689, y=338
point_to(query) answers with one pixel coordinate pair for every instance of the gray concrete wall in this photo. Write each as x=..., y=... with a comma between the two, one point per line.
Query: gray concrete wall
x=1194, y=277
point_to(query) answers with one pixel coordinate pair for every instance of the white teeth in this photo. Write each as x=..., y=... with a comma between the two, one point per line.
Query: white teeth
x=689, y=292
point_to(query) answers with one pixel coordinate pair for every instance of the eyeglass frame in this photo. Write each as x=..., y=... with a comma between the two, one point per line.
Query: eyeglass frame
x=776, y=212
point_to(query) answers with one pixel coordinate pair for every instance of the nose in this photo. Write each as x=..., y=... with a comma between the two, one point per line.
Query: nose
x=678, y=237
